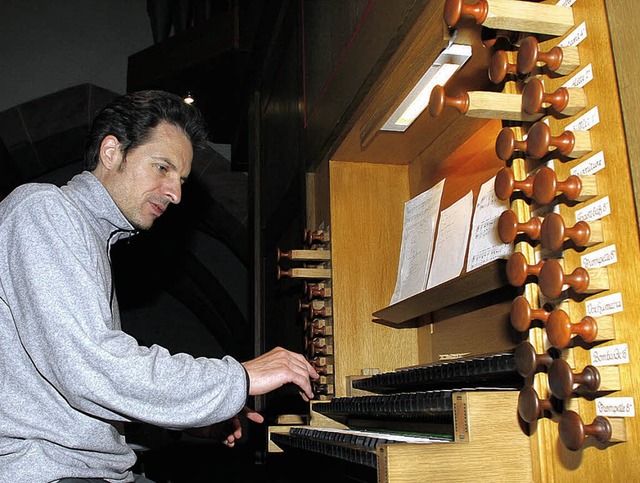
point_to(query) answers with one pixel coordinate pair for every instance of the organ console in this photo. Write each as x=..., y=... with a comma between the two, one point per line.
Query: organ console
x=512, y=370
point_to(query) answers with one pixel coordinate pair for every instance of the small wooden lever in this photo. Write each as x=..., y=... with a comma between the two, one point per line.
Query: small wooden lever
x=512, y=15
x=518, y=269
x=304, y=255
x=567, y=101
x=508, y=227
x=561, y=60
x=481, y=104
x=522, y=314
x=308, y=273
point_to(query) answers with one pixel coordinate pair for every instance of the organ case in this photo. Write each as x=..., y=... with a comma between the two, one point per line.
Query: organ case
x=360, y=191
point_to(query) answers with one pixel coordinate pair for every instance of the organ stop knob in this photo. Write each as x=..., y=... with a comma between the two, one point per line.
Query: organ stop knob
x=573, y=431
x=560, y=330
x=567, y=101
x=508, y=227
x=522, y=314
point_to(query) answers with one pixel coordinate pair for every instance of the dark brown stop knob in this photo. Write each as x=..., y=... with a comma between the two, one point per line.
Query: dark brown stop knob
x=546, y=186
x=562, y=379
x=454, y=9
x=573, y=431
x=560, y=330
x=506, y=183
x=499, y=67
x=553, y=232
x=316, y=236
x=508, y=227
x=518, y=269
x=551, y=278
x=439, y=100
x=528, y=362
x=522, y=314
x=530, y=406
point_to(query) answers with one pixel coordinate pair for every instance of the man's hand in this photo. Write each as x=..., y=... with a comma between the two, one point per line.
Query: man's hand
x=227, y=431
x=277, y=368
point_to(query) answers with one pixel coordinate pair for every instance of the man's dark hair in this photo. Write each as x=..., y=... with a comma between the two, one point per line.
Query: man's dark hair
x=131, y=117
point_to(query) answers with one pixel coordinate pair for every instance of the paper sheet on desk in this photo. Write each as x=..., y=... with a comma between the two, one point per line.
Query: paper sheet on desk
x=418, y=234
x=485, y=244
x=451, y=241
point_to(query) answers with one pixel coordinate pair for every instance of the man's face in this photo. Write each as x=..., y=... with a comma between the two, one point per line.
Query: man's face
x=151, y=177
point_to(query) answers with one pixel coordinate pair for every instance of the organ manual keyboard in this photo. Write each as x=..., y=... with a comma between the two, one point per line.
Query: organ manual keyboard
x=517, y=369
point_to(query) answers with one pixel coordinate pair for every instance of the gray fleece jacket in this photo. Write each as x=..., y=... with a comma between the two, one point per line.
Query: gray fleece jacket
x=67, y=371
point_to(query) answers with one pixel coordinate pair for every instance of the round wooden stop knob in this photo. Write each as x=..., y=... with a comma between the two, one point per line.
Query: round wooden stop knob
x=530, y=406
x=507, y=144
x=551, y=279
x=529, y=55
x=546, y=186
x=283, y=273
x=303, y=306
x=560, y=330
x=573, y=431
x=540, y=141
x=518, y=269
x=455, y=9
x=439, y=100
x=500, y=67
x=528, y=362
x=553, y=232
x=566, y=101
x=562, y=379
x=508, y=227
x=522, y=314
x=505, y=184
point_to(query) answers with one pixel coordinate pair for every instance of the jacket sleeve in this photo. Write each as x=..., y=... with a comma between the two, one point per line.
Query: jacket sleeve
x=62, y=312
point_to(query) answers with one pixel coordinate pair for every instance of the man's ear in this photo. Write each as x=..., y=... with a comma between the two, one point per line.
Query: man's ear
x=110, y=152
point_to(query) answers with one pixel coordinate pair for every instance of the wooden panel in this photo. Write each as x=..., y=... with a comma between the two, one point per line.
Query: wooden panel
x=403, y=69
x=497, y=450
x=620, y=228
x=367, y=206
x=622, y=16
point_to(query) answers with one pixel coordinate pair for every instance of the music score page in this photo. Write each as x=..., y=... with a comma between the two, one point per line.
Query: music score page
x=418, y=235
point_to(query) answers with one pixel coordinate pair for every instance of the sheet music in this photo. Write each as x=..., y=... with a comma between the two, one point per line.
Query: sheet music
x=485, y=245
x=418, y=234
x=451, y=241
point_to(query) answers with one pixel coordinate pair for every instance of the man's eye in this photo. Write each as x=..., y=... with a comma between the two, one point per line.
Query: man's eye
x=161, y=168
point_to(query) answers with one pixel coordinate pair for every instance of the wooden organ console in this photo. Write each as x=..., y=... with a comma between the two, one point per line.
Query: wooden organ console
x=522, y=369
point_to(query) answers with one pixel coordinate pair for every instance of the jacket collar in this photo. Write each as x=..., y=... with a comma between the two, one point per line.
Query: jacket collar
x=104, y=215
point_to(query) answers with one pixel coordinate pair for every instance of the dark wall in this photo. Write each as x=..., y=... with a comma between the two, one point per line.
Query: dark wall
x=46, y=46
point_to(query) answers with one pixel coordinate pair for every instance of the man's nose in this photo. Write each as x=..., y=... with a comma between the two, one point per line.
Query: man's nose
x=173, y=191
